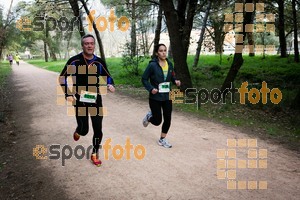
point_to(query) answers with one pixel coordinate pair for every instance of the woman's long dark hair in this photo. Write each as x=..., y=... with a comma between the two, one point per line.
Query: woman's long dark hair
x=156, y=47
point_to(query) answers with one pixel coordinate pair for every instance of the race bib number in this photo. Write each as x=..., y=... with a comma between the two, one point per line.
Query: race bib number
x=164, y=87
x=88, y=97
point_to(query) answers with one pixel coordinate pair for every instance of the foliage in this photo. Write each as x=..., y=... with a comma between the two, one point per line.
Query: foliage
x=131, y=63
x=5, y=70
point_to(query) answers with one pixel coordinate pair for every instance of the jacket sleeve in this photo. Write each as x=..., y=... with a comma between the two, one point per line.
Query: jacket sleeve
x=146, y=76
x=68, y=70
x=105, y=72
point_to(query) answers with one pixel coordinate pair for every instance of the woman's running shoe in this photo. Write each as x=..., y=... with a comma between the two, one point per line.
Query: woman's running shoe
x=164, y=142
x=147, y=118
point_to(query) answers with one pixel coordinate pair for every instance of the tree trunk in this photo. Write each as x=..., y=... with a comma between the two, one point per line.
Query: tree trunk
x=102, y=54
x=3, y=30
x=1, y=48
x=282, y=39
x=250, y=42
x=218, y=35
x=200, y=41
x=50, y=45
x=219, y=40
x=69, y=37
x=157, y=30
x=145, y=39
x=45, y=51
x=170, y=54
x=238, y=57
x=235, y=66
x=52, y=52
x=188, y=23
x=250, y=35
x=179, y=29
x=296, y=49
x=53, y=56
x=76, y=12
x=296, y=102
x=133, y=30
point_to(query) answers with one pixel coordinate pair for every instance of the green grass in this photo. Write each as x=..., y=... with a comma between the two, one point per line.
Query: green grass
x=278, y=72
x=275, y=71
x=121, y=77
x=55, y=66
x=5, y=70
x=276, y=121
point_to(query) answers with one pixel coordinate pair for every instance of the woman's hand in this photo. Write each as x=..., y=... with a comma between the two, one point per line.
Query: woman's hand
x=111, y=88
x=178, y=83
x=154, y=91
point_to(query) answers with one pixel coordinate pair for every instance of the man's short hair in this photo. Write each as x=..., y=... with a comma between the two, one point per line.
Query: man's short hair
x=86, y=36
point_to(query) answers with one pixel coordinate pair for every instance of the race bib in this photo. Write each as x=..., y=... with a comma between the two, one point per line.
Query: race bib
x=88, y=97
x=164, y=87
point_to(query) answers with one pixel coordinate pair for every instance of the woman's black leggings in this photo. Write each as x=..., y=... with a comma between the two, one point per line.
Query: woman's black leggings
x=156, y=107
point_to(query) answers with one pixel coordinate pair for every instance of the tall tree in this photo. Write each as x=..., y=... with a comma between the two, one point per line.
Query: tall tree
x=218, y=35
x=201, y=37
x=45, y=10
x=238, y=57
x=250, y=35
x=45, y=51
x=281, y=27
x=76, y=12
x=133, y=27
x=296, y=49
x=216, y=23
x=49, y=18
x=4, y=26
x=102, y=54
x=138, y=12
x=296, y=102
x=157, y=29
x=180, y=22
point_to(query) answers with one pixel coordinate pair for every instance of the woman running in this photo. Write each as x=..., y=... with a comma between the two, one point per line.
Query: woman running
x=160, y=71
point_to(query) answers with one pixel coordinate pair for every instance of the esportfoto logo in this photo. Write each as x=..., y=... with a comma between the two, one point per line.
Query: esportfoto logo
x=41, y=23
x=203, y=96
x=66, y=152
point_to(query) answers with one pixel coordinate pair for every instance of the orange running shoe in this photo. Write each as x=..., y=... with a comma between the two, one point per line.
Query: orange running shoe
x=95, y=160
x=76, y=136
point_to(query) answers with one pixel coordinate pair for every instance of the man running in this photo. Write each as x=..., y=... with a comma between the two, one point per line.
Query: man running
x=87, y=71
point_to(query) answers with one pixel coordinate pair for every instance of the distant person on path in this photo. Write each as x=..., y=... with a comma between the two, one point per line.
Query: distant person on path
x=86, y=70
x=10, y=59
x=160, y=71
x=17, y=58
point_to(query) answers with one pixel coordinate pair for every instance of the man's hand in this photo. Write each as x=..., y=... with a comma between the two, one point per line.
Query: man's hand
x=70, y=98
x=154, y=91
x=178, y=83
x=111, y=88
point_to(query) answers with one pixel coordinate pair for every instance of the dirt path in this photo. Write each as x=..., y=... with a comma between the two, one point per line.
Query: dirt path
x=186, y=171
